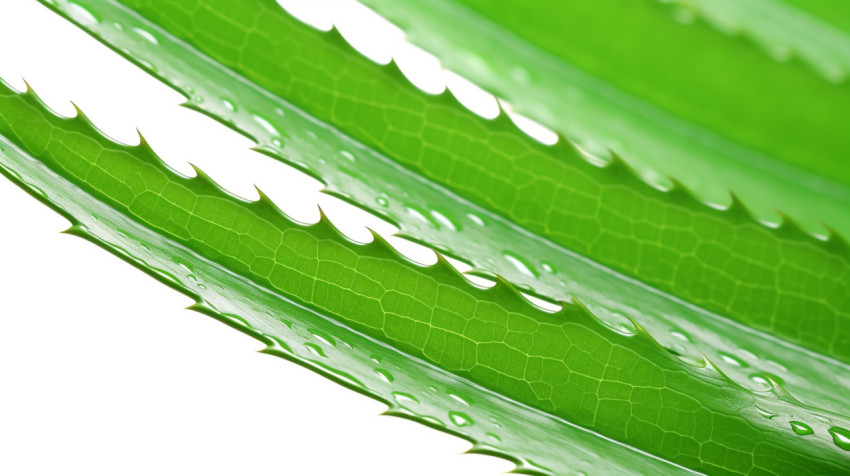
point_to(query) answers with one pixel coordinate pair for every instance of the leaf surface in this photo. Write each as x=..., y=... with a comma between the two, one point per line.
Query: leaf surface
x=749, y=96
x=309, y=294
x=545, y=219
x=723, y=261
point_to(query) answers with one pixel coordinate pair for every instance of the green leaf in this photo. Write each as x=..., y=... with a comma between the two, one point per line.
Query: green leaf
x=718, y=94
x=284, y=75
x=342, y=308
x=545, y=218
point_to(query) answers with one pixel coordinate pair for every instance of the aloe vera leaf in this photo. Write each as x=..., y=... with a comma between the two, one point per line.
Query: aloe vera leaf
x=410, y=387
x=486, y=239
x=281, y=276
x=723, y=261
x=715, y=110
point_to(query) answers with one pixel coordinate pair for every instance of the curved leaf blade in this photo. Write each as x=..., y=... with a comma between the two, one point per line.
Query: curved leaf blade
x=723, y=261
x=625, y=386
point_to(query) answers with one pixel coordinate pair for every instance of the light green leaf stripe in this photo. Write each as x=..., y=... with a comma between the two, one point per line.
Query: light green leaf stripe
x=778, y=280
x=567, y=364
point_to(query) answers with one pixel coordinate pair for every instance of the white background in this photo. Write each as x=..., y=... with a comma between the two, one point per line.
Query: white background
x=102, y=372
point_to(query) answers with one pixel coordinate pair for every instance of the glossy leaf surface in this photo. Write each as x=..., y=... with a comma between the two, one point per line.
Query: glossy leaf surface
x=668, y=240
x=545, y=218
x=272, y=276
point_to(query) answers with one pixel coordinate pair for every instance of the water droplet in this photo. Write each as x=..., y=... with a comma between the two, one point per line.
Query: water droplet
x=520, y=265
x=547, y=267
x=475, y=219
x=841, y=437
x=766, y=413
x=680, y=335
x=443, y=220
x=732, y=360
x=315, y=349
x=228, y=104
x=766, y=380
x=460, y=399
x=325, y=340
x=402, y=397
x=382, y=201
x=761, y=380
x=202, y=285
x=416, y=213
x=198, y=99
x=494, y=437
x=146, y=35
x=277, y=143
x=81, y=14
x=801, y=428
x=118, y=26
x=460, y=419
x=384, y=375
x=265, y=125
x=348, y=155
x=145, y=64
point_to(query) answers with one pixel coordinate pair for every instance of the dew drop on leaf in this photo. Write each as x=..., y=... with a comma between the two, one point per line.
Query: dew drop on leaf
x=81, y=14
x=732, y=360
x=459, y=399
x=315, y=349
x=475, y=219
x=801, y=428
x=521, y=265
x=402, y=397
x=460, y=419
x=384, y=375
x=265, y=124
x=444, y=220
x=766, y=413
x=841, y=437
x=148, y=36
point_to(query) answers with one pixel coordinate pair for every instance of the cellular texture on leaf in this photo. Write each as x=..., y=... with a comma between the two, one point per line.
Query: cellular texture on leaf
x=567, y=364
x=690, y=337
x=724, y=261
